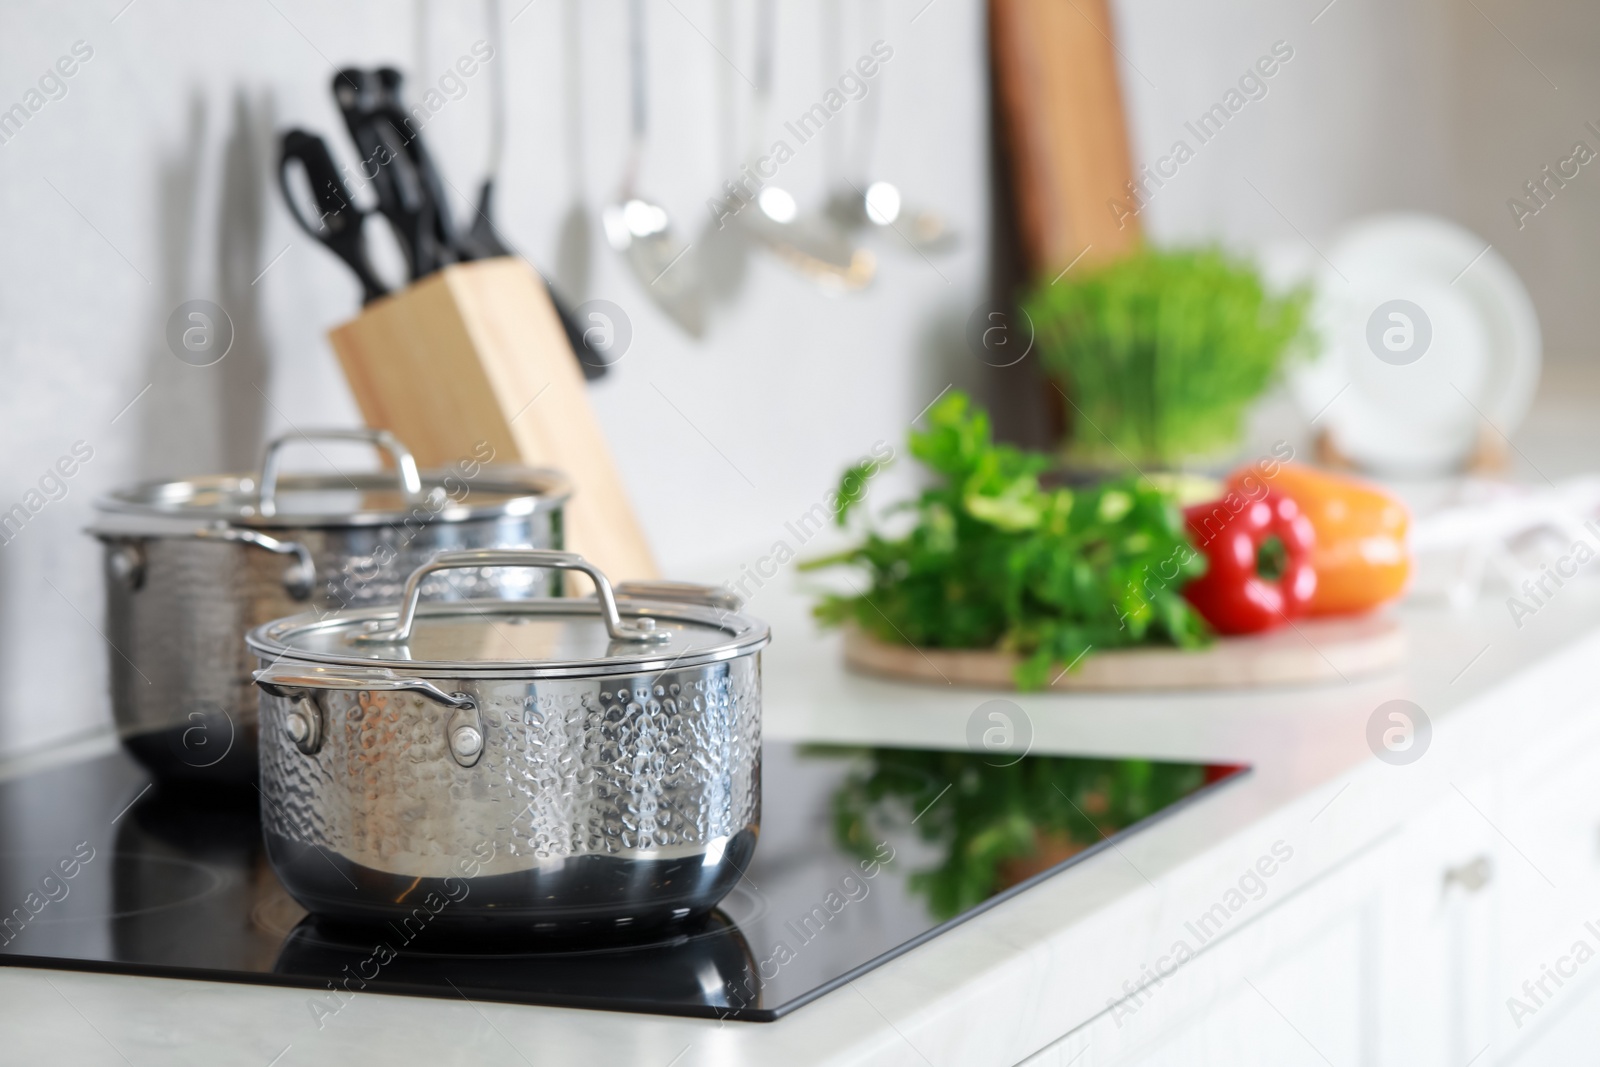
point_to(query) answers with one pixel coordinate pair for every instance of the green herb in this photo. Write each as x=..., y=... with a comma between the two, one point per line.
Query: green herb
x=1162, y=353
x=995, y=560
x=991, y=813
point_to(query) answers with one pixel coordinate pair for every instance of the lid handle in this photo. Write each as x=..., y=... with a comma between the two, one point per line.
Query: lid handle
x=644, y=629
x=267, y=503
x=709, y=596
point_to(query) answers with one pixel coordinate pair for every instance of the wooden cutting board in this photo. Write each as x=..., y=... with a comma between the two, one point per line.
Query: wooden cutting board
x=1061, y=121
x=1320, y=650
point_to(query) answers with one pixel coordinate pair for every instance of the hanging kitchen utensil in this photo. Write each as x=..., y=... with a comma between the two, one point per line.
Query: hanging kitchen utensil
x=879, y=205
x=340, y=225
x=482, y=240
x=193, y=564
x=858, y=202
x=723, y=247
x=813, y=245
x=642, y=230
x=550, y=766
x=575, y=241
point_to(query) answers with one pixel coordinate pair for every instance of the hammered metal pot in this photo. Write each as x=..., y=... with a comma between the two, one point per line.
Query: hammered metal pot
x=191, y=566
x=552, y=767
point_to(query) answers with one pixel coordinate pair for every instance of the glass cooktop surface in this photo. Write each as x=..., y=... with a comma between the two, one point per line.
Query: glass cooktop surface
x=864, y=853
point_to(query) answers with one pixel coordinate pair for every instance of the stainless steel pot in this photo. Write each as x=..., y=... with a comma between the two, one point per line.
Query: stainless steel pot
x=192, y=565
x=578, y=766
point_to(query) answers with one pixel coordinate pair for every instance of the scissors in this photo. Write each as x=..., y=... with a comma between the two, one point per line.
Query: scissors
x=339, y=224
x=404, y=182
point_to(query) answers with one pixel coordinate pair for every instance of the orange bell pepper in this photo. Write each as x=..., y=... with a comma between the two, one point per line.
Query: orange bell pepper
x=1361, y=557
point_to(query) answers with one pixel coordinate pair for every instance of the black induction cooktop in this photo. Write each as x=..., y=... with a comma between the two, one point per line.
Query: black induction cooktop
x=863, y=854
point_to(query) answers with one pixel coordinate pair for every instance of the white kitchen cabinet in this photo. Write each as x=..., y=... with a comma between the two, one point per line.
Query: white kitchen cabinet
x=1434, y=936
x=1293, y=1007
x=1406, y=954
x=1569, y=1035
x=1294, y=980
x=1547, y=901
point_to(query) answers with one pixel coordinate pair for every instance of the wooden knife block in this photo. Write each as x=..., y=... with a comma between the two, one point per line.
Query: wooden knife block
x=475, y=353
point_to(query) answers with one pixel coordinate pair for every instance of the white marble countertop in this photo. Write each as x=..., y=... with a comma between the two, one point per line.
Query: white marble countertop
x=1008, y=982
x=1038, y=965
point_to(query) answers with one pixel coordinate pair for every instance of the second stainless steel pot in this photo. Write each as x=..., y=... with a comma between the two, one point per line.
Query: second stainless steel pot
x=192, y=565
x=549, y=766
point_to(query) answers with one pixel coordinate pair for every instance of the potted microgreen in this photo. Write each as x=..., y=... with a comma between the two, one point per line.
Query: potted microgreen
x=1160, y=354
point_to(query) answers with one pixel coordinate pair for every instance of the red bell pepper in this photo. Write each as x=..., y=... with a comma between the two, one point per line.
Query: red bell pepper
x=1259, y=572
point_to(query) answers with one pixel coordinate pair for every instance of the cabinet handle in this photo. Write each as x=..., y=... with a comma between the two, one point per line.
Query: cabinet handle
x=1471, y=876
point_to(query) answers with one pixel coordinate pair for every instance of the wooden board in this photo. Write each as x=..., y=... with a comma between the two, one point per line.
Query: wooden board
x=1322, y=650
x=475, y=353
x=1055, y=79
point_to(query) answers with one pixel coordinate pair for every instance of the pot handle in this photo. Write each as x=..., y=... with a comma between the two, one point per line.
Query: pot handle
x=127, y=561
x=267, y=502
x=282, y=680
x=545, y=559
x=298, y=580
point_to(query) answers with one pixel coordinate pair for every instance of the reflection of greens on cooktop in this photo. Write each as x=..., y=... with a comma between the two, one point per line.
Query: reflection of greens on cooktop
x=997, y=825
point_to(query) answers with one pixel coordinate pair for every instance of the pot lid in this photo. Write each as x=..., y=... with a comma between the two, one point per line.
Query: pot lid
x=509, y=638
x=469, y=490
x=546, y=637
x=362, y=499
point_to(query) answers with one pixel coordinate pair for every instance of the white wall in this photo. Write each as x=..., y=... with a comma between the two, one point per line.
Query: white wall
x=1430, y=105
x=150, y=184
x=1354, y=121
x=164, y=144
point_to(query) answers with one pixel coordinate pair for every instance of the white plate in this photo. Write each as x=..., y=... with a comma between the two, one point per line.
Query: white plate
x=1423, y=337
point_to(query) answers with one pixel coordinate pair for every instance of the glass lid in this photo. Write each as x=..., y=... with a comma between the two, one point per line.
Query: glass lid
x=468, y=490
x=544, y=635
x=601, y=634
